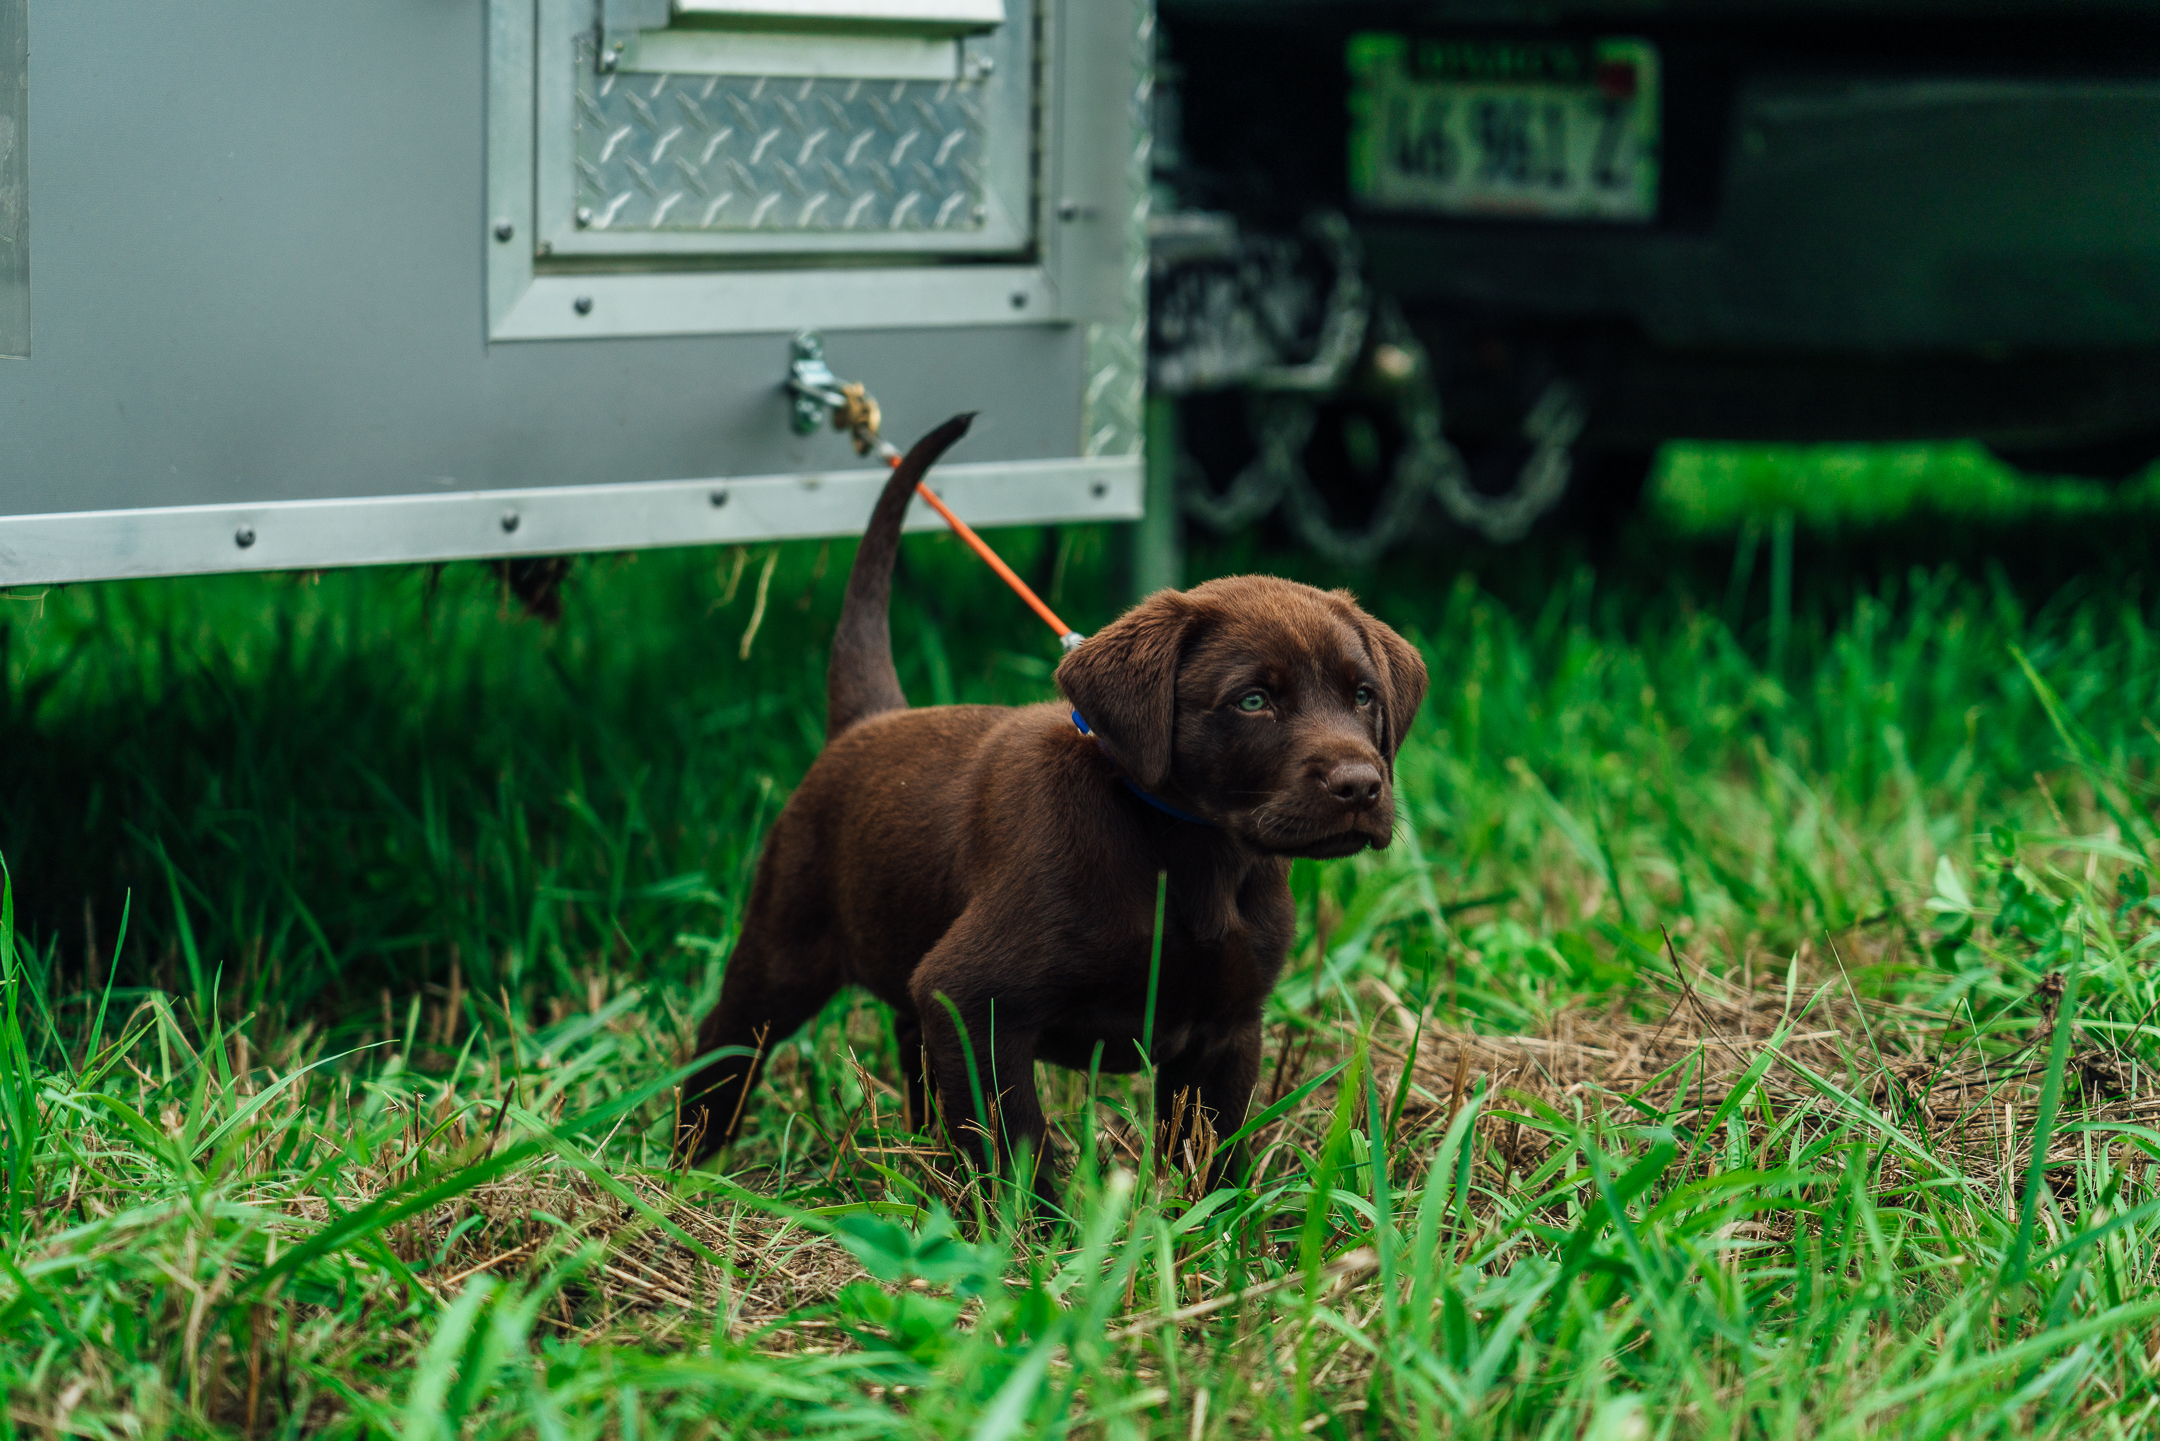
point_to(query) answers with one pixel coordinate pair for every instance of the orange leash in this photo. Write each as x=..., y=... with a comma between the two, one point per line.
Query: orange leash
x=1067, y=636
x=856, y=411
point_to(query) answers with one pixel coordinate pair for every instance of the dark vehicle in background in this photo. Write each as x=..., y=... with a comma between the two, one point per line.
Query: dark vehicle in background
x=1566, y=232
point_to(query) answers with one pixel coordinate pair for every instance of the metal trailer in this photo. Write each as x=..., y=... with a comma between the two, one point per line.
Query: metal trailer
x=297, y=285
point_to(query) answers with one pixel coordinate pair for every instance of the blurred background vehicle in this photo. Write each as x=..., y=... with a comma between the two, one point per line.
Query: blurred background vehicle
x=1494, y=254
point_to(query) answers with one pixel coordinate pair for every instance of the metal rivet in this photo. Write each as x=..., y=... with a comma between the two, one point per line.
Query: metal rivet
x=504, y=230
x=1099, y=489
x=584, y=216
x=244, y=536
x=582, y=305
x=718, y=498
x=509, y=521
x=1019, y=300
x=1068, y=209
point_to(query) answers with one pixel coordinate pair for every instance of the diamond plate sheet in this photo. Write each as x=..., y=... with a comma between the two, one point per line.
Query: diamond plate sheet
x=1114, y=402
x=735, y=153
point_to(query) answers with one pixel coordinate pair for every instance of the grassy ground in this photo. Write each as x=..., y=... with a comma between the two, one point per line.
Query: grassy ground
x=1749, y=1033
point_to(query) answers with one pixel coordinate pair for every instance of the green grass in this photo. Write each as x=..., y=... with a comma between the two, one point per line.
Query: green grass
x=1714, y=487
x=359, y=926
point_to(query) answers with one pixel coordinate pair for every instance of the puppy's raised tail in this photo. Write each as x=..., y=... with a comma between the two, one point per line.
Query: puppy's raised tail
x=861, y=680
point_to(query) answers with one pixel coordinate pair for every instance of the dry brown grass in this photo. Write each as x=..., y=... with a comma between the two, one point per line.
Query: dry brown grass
x=1828, y=1058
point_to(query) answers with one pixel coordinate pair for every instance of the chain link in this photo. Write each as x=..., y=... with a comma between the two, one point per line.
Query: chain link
x=1428, y=466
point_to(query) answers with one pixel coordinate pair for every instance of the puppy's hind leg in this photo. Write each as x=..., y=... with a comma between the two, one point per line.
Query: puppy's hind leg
x=772, y=986
x=1217, y=1084
x=908, y=1039
x=981, y=1042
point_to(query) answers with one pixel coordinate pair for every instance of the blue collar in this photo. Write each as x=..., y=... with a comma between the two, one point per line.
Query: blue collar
x=1164, y=806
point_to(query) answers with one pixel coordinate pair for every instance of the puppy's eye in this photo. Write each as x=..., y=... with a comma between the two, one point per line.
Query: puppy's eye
x=1253, y=700
x=1364, y=696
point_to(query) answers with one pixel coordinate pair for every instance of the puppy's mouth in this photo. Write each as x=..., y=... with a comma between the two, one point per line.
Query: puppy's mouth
x=1300, y=840
x=1290, y=825
x=1331, y=847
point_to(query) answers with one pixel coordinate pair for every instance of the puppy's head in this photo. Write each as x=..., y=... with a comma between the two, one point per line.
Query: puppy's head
x=1268, y=707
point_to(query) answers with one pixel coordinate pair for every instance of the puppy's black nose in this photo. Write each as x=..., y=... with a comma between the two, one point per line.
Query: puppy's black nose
x=1354, y=783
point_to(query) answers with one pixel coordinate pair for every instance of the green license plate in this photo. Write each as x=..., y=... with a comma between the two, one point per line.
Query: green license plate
x=1534, y=130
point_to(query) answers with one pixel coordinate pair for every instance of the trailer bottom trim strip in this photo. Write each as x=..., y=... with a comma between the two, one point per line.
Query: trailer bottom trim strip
x=551, y=520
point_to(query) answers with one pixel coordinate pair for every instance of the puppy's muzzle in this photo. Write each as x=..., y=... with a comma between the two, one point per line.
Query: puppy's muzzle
x=1354, y=784
x=1341, y=805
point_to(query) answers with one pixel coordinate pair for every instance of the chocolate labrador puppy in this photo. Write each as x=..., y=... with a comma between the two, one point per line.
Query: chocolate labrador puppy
x=990, y=873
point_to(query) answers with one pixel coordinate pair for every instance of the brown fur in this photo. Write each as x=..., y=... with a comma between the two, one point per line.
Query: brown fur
x=998, y=859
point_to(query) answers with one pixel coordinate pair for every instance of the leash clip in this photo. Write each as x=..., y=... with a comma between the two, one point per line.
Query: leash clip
x=819, y=393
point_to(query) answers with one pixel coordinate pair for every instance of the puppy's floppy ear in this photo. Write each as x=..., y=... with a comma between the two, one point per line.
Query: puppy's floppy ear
x=1401, y=672
x=1123, y=681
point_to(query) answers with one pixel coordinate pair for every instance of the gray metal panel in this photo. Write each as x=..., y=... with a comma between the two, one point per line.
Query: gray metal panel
x=305, y=535
x=306, y=318
x=14, y=178
x=578, y=306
